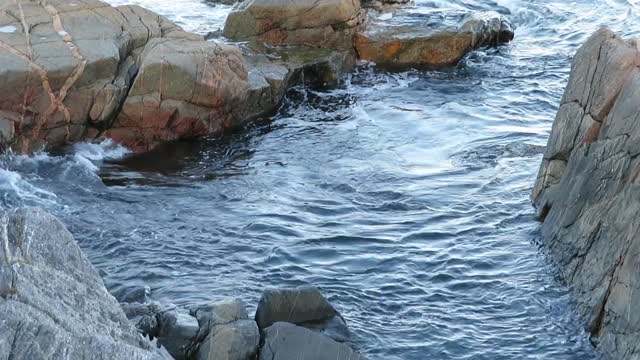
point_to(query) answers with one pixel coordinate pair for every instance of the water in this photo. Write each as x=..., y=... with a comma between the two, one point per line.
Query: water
x=404, y=196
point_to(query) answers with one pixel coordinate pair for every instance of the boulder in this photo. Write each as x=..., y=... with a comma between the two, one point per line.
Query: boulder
x=304, y=306
x=285, y=341
x=226, y=332
x=53, y=304
x=185, y=88
x=324, y=24
x=66, y=67
x=86, y=70
x=429, y=40
x=177, y=332
x=587, y=192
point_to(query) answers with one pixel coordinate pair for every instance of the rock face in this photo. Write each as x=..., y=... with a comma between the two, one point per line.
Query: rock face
x=53, y=304
x=184, y=88
x=285, y=341
x=314, y=23
x=69, y=68
x=430, y=40
x=588, y=190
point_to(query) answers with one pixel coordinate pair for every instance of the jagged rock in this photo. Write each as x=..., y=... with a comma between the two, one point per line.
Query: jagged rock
x=185, y=88
x=326, y=24
x=304, y=306
x=430, y=40
x=587, y=191
x=226, y=332
x=285, y=341
x=53, y=304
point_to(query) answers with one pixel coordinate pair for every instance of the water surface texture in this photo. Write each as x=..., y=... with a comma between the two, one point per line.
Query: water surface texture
x=404, y=196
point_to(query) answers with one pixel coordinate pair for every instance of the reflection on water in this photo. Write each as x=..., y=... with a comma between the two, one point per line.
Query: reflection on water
x=404, y=196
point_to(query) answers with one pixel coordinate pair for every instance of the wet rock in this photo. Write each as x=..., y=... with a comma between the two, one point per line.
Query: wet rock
x=296, y=305
x=144, y=317
x=133, y=294
x=322, y=24
x=587, y=192
x=226, y=331
x=284, y=341
x=177, y=332
x=53, y=303
x=430, y=40
x=185, y=88
x=304, y=306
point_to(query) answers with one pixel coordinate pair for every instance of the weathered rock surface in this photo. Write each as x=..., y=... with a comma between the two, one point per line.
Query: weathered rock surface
x=588, y=190
x=53, y=304
x=185, y=88
x=325, y=24
x=75, y=71
x=430, y=40
x=285, y=341
x=304, y=306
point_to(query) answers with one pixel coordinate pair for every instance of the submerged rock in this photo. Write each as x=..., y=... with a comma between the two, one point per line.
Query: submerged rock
x=587, y=192
x=285, y=341
x=430, y=40
x=53, y=304
x=322, y=24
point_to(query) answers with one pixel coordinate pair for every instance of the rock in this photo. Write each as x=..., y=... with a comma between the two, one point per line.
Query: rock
x=587, y=192
x=429, y=40
x=285, y=341
x=304, y=306
x=177, y=332
x=297, y=305
x=144, y=317
x=86, y=70
x=385, y=6
x=322, y=24
x=133, y=294
x=238, y=340
x=185, y=88
x=226, y=332
x=53, y=304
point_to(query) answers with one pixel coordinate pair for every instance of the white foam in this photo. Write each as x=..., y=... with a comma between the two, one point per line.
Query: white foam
x=105, y=150
x=12, y=182
x=8, y=29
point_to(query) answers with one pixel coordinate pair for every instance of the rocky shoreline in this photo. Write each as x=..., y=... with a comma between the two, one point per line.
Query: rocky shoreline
x=587, y=194
x=53, y=304
x=86, y=70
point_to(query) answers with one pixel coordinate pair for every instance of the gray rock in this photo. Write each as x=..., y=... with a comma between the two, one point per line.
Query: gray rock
x=237, y=340
x=53, y=303
x=285, y=341
x=304, y=306
x=587, y=192
x=297, y=305
x=178, y=332
x=226, y=333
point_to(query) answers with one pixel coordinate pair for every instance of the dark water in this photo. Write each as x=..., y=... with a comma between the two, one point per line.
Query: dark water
x=404, y=196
